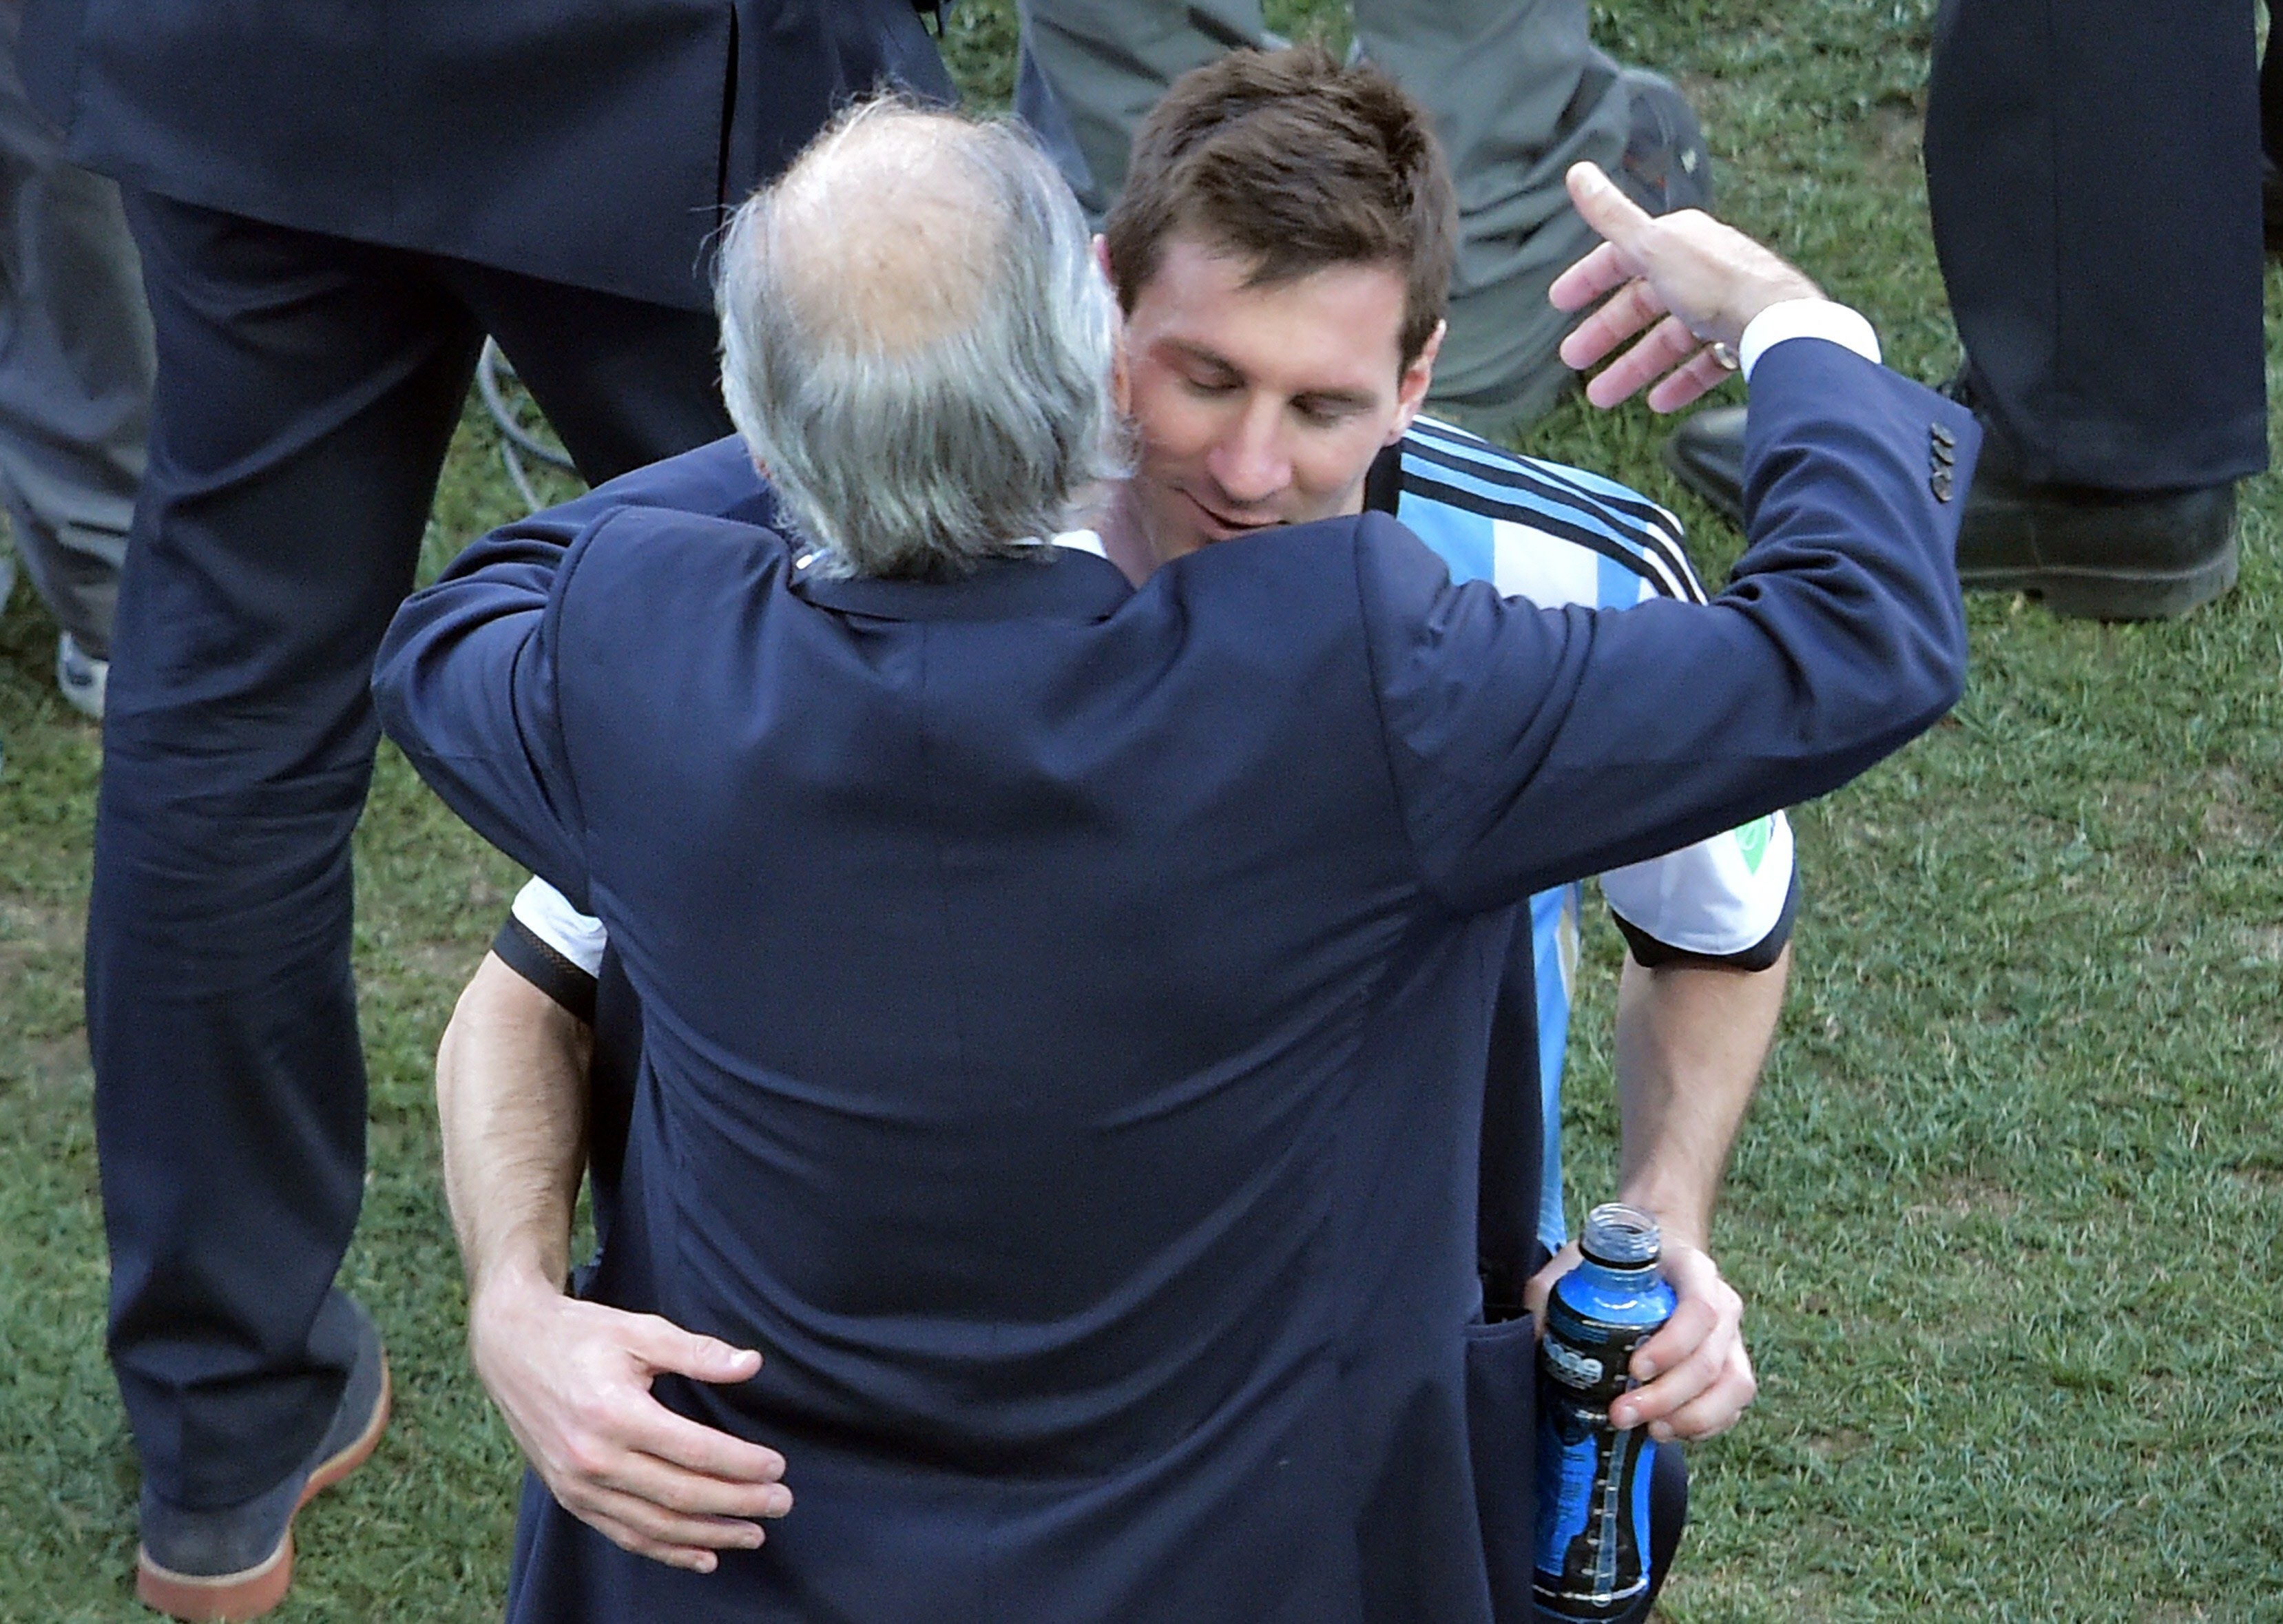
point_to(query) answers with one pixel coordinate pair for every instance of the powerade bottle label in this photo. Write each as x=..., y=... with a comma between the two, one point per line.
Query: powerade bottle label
x=1593, y=1480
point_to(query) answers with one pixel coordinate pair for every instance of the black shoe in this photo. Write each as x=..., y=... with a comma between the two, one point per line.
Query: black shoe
x=238, y=1561
x=2096, y=555
x=1706, y=453
x=1665, y=166
x=2087, y=553
x=2091, y=553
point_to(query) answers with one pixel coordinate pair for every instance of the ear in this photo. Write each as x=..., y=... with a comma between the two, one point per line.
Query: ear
x=1411, y=388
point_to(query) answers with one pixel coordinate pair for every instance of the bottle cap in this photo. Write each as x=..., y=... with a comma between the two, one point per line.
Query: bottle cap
x=1620, y=1237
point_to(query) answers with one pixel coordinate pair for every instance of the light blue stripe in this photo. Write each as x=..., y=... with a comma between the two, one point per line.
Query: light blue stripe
x=1592, y=484
x=1552, y=1044
x=1619, y=588
x=1462, y=539
x=1582, y=482
x=1465, y=542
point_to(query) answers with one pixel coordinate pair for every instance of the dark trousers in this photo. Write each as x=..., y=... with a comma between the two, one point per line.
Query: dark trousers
x=2093, y=171
x=307, y=389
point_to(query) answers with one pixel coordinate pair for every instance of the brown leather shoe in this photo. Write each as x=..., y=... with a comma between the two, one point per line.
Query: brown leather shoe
x=237, y=1563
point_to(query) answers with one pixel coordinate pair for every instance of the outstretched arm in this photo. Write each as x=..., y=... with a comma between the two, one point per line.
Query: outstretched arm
x=572, y=1378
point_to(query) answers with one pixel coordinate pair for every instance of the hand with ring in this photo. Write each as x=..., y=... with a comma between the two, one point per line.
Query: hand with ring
x=1681, y=287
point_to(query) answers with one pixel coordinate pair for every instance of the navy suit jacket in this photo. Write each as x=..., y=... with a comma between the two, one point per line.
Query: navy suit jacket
x=1066, y=1006
x=595, y=142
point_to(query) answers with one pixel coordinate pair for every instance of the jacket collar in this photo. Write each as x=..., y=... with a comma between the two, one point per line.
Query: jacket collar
x=1070, y=582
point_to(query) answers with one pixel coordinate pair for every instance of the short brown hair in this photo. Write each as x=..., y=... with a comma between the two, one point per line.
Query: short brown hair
x=1296, y=163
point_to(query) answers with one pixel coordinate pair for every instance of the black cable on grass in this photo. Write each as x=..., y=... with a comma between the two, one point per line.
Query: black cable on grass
x=515, y=441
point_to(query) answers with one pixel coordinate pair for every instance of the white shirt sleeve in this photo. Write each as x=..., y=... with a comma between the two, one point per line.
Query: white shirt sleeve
x=1805, y=318
x=543, y=912
x=1716, y=899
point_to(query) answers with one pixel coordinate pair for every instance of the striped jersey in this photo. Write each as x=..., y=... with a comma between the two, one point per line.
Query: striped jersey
x=1557, y=536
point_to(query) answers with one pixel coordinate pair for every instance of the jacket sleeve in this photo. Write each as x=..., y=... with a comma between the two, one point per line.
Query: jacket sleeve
x=1531, y=746
x=466, y=684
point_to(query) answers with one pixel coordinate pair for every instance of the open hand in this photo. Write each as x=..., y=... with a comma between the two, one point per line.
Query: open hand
x=1689, y=282
x=573, y=1378
x=1696, y=1373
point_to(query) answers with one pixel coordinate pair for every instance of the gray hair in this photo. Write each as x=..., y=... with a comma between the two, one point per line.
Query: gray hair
x=917, y=344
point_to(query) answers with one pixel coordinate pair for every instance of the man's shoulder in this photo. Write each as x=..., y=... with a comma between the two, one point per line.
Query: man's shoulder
x=654, y=566
x=637, y=536
x=716, y=479
x=1536, y=529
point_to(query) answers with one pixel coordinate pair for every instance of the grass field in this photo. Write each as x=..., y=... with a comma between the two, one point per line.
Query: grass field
x=2004, y=1215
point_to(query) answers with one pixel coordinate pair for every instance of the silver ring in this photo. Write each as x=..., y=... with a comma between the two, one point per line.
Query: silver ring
x=1723, y=356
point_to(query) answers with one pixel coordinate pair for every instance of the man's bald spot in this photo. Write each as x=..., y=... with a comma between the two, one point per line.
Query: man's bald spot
x=886, y=231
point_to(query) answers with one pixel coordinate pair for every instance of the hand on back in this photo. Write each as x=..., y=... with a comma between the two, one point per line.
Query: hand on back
x=573, y=1379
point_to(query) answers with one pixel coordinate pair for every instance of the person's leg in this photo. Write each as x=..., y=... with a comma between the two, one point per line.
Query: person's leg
x=307, y=389
x=2271, y=93
x=622, y=382
x=1668, y=1516
x=2092, y=171
x=2271, y=138
x=1092, y=69
x=1519, y=93
x=75, y=364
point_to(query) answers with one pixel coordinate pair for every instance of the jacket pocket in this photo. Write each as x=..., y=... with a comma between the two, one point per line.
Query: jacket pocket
x=1502, y=1444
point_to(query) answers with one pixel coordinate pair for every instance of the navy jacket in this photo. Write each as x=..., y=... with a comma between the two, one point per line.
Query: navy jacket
x=1066, y=1006
x=595, y=142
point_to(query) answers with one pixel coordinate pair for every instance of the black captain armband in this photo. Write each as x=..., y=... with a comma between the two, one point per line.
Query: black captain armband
x=1762, y=954
x=519, y=948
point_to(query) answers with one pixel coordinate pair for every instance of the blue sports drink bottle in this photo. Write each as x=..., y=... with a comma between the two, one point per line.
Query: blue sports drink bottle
x=1592, y=1480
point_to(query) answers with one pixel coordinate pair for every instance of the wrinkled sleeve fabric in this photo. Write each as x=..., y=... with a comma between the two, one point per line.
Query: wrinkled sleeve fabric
x=1531, y=746
x=466, y=685
x=1727, y=901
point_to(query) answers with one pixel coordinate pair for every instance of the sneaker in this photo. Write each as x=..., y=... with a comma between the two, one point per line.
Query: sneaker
x=236, y=1563
x=81, y=676
x=1666, y=166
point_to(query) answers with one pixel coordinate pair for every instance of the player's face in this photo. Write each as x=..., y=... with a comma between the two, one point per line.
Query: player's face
x=1261, y=406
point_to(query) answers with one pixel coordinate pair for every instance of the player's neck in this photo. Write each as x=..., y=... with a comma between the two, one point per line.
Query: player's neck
x=1124, y=533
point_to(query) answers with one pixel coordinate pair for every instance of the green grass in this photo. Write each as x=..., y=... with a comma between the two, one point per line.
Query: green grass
x=2003, y=1216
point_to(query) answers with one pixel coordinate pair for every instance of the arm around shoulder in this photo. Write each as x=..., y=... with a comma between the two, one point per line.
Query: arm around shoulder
x=465, y=684
x=1531, y=746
